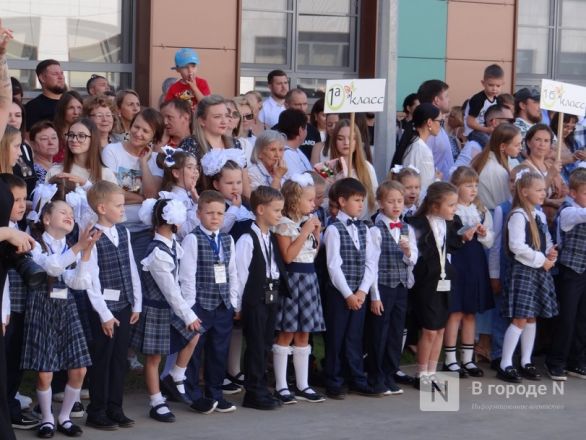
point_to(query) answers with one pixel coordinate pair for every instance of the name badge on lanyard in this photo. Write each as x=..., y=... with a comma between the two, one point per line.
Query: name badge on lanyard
x=58, y=294
x=220, y=276
x=443, y=284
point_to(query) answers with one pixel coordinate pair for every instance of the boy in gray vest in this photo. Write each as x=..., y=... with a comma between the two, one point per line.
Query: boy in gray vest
x=351, y=270
x=116, y=297
x=395, y=254
x=568, y=350
x=207, y=275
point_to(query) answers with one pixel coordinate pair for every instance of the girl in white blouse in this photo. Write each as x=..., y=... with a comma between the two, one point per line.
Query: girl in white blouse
x=472, y=292
x=298, y=237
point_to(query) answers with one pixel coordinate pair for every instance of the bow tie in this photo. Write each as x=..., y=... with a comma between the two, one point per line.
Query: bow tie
x=352, y=222
x=394, y=225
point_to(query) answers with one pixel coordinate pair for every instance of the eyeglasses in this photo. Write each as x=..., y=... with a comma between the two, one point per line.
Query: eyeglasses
x=248, y=117
x=81, y=137
x=102, y=115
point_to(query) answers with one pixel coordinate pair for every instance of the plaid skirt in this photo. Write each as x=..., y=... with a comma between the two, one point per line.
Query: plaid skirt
x=302, y=312
x=531, y=293
x=180, y=334
x=54, y=338
x=152, y=333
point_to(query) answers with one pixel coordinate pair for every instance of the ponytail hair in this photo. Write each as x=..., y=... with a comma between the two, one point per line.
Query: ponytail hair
x=422, y=113
x=179, y=160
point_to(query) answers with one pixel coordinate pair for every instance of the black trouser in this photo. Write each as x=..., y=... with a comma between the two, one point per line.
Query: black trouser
x=14, y=340
x=258, y=328
x=385, y=336
x=5, y=422
x=568, y=348
x=109, y=364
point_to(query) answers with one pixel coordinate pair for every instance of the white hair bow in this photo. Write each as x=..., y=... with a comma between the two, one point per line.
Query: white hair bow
x=169, y=153
x=42, y=194
x=302, y=179
x=398, y=168
x=213, y=161
x=145, y=213
x=521, y=173
x=174, y=212
x=82, y=213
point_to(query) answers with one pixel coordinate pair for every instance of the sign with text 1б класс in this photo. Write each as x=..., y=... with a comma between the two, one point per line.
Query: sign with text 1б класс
x=563, y=97
x=355, y=95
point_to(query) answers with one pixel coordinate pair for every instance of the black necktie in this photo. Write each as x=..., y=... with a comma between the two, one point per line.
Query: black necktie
x=352, y=222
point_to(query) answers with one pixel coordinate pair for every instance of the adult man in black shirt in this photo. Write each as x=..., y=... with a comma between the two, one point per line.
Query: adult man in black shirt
x=53, y=86
x=297, y=99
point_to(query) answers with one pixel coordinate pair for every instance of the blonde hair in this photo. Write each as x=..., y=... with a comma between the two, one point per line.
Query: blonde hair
x=9, y=135
x=358, y=159
x=100, y=191
x=503, y=134
x=519, y=201
x=464, y=175
x=292, y=193
x=388, y=186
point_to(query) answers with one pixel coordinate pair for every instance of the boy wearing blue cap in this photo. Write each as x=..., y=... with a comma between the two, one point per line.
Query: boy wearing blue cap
x=189, y=87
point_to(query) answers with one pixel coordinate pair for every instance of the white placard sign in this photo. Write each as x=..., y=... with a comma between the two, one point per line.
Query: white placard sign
x=355, y=95
x=563, y=97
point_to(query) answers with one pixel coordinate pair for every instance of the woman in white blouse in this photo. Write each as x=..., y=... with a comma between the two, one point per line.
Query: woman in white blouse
x=492, y=165
x=268, y=165
x=413, y=150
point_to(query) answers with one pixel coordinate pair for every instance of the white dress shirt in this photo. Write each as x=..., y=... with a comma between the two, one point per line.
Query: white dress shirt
x=192, y=220
x=58, y=259
x=296, y=161
x=571, y=216
x=244, y=249
x=95, y=291
x=291, y=229
x=162, y=268
x=494, y=254
x=493, y=186
x=269, y=114
x=188, y=267
x=334, y=260
x=420, y=156
x=377, y=239
x=471, y=217
x=523, y=252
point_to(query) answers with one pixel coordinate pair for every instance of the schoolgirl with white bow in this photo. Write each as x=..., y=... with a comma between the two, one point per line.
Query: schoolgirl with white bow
x=298, y=236
x=54, y=339
x=472, y=293
x=180, y=175
x=163, y=305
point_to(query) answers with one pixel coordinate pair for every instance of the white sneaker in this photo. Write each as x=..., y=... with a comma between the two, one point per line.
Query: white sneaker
x=58, y=397
x=25, y=401
x=134, y=363
x=84, y=394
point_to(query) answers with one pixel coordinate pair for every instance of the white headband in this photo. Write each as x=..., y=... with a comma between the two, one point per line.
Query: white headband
x=42, y=195
x=213, y=161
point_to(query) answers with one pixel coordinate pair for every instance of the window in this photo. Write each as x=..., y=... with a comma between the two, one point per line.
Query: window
x=311, y=40
x=551, y=41
x=85, y=37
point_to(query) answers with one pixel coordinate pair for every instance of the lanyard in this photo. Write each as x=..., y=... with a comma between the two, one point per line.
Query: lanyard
x=268, y=254
x=441, y=249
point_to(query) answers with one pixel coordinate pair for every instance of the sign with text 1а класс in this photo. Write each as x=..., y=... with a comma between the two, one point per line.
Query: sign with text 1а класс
x=563, y=97
x=355, y=95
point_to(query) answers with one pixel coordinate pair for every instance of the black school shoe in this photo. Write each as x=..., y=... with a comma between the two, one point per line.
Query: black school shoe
x=556, y=373
x=78, y=411
x=403, y=378
x=46, y=430
x=165, y=418
x=509, y=374
x=579, y=372
x=472, y=369
x=313, y=397
x=529, y=371
x=120, y=418
x=25, y=422
x=285, y=398
x=225, y=406
x=102, y=422
x=174, y=393
x=365, y=390
x=204, y=405
x=336, y=393
x=265, y=403
x=71, y=430
x=461, y=371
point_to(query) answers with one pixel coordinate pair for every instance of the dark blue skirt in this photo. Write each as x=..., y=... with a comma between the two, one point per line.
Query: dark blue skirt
x=471, y=291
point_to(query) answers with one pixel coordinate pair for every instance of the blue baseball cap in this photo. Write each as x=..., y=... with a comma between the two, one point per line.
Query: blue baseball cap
x=185, y=56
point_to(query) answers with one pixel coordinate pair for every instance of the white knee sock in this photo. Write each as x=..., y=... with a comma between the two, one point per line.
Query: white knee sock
x=510, y=342
x=527, y=342
x=280, y=355
x=301, y=364
x=178, y=375
x=70, y=396
x=157, y=399
x=467, y=353
x=450, y=358
x=44, y=398
x=235, y=352
x=169, y=363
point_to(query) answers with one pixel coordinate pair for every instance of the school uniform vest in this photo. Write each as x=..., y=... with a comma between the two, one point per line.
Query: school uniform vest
x=353, y=260
x=18, y=292
x=114, y=264
x=254, y=289
x=573, y=246
x=151, y=294
x=209, y=293
x=392, y=270
x=505, y=259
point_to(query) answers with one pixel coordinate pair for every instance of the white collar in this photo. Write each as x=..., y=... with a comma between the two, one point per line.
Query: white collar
x=256, y=229
x=165, y=240
x=112, y=229
x=209, y=232
x=387, y=220
x=56, y=245
x=13, y=225
x=343, y=217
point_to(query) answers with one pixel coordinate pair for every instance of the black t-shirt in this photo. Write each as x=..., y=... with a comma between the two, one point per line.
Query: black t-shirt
x=39, y=109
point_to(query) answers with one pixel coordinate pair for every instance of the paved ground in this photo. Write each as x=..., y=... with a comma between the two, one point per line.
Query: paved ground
x=488, y=415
